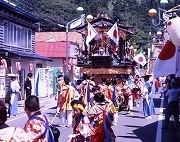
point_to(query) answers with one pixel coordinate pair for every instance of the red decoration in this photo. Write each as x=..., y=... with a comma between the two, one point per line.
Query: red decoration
x=31, y=67
x=18, y=66
x=3, y=63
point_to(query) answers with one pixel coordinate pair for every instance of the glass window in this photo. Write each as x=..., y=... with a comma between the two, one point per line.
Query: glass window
x=18, y=36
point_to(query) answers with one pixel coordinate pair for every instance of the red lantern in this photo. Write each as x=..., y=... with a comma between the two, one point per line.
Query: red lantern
x=4, y=63
x=18, y=66
x=30, y=67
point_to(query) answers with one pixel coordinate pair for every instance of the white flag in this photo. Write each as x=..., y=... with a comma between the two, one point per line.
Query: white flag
x=113, y=33
x=166, y=62
x=91, y=33
x=140, y=59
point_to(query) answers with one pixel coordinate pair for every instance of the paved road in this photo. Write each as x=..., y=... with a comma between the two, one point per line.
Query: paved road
x=129, y=129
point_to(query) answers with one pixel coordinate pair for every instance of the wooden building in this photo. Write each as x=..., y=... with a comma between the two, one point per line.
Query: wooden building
x=117, y=58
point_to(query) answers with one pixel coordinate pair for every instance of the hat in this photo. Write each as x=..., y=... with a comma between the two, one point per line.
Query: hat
x=12, y=75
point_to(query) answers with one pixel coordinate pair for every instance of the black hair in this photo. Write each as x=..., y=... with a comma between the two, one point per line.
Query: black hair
x=3, y=113
x=99, y=97
x=30, y=74
x=88, y=76
x=59, y=76
x=114, y=81
x=95, y=88
x=66, y=79
x=103, y=79
x=32, y=103
x=73, y=102
x=56, y=134
x=108, y=81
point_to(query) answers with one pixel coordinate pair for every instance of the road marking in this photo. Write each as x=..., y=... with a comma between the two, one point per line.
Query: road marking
x=160, y=118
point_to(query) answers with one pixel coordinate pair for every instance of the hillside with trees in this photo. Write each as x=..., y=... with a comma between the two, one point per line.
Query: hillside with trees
x=132, y=13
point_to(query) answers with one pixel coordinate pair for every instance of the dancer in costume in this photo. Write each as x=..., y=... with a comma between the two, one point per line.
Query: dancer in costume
x=101, y=116
x=64, y=103
x=81, y=124
x=85, y=87
x=148, y=103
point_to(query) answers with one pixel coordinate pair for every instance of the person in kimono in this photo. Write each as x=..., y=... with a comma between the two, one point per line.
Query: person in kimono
x=148, y=103
x=14, y=89
x=101, y=117
x=64, y=103
x=8, y=133
x=28, y=84
x=85, y=88
x=128, y=99
x=37, y=125
x=81, y=124
x=107, y=89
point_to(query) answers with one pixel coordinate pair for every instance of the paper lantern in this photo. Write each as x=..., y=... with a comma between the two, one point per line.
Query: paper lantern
x=173, y=28
x=69, y=67
x=18, y=66
x=4, y=63
x=31, y=67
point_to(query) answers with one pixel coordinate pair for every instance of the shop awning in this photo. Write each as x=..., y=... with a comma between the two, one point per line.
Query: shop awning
x=25, y=54
x=106, y=70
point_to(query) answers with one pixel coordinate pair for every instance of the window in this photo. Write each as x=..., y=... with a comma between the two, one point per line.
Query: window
x=17, y=36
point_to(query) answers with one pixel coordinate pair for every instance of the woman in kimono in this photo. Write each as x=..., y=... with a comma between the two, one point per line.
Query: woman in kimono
x=101, y=117
x=81, y=124
x=148, y=103
x=14, y=92
x=7, y=133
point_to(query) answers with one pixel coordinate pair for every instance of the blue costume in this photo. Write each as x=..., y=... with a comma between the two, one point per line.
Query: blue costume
x=148, y=103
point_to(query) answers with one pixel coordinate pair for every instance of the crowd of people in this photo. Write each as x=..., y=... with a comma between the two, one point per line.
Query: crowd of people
x=99, y=104
x=90, y=109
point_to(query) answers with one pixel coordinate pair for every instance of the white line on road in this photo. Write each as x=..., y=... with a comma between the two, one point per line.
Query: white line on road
x=160, y=118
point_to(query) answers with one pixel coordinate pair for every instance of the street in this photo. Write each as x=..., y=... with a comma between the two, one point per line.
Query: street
x=129, y=129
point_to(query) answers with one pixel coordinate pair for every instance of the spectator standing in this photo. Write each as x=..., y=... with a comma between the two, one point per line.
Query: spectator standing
x=14, y=95
x=172, y=108
x=28, y=84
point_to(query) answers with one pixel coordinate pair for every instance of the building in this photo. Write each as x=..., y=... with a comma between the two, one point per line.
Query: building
x=17, y=43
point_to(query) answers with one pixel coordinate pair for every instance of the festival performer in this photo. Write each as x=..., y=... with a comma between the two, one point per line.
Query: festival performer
x=64, y=103
x=136, y=92
x=148, y=103
x=101, y=116
x=85, y=88
x=81, y=124
x=127, y=97
x=107, y=89
x=14, y=89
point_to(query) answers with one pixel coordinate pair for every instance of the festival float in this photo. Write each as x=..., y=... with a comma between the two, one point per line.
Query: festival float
x=105, y=50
